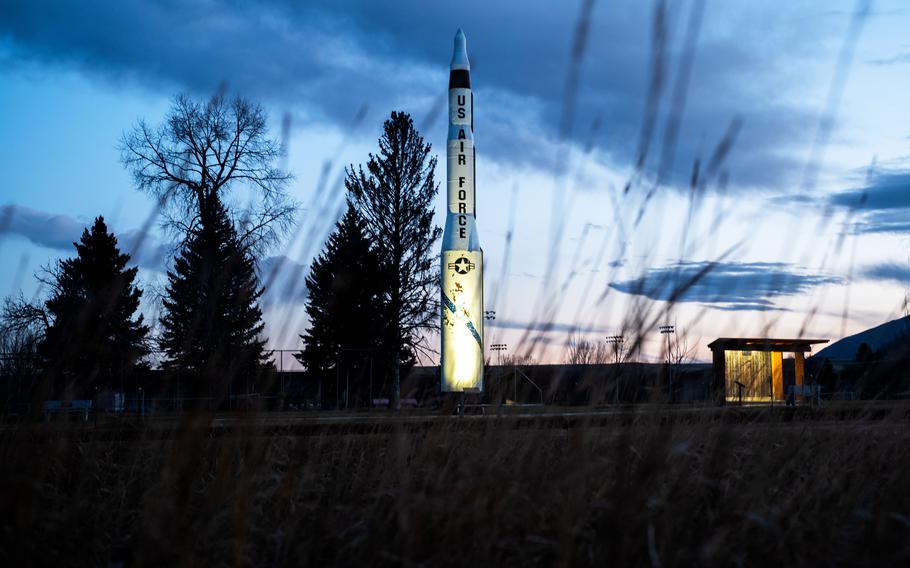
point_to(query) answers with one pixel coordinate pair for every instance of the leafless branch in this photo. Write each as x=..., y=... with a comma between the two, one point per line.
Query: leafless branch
x=202, y=151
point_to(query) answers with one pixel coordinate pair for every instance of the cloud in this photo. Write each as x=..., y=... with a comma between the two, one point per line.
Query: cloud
x=899, y=59
x=145, y=250
x=541, y=339
x=888, y=272
x=887, y=189
x=284, y=280
x=282, y=277
x=897, y=221
x=326, y=58
x=43, y=229
x=545, y=326
x=728, y=286
x=59, y=232
x=882, y=204
x=759, y=306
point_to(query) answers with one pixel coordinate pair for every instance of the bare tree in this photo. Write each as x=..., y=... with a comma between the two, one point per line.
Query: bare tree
x=616, y=349
x=199, y=153
x=680, y=351
x=578, y=350
x=581, y=351
x=21, y=329
x=517, y=360
x=22, y=321
x=679, y=354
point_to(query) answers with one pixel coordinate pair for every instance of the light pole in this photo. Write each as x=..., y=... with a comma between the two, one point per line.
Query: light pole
x=488, y=315
x=500, y=347
x=617, y=342
x=667, y=330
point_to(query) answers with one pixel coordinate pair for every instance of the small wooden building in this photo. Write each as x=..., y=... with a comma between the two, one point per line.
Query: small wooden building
x=752, y=370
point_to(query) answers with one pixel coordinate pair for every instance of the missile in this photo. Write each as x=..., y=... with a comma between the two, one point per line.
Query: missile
x=461, y=280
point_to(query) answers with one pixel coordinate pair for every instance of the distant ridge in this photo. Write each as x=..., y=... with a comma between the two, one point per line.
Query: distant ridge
x=880, y=337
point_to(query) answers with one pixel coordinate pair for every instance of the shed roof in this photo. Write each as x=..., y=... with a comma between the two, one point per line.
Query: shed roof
x=763, y=344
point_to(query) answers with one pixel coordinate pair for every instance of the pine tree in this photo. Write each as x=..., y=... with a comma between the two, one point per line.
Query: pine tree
x=345, y=301
x=93, y=341
x=212, y=326
x=396, y=200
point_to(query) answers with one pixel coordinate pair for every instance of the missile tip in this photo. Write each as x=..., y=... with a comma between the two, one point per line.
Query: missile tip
x=460, y=55
x=460, y=40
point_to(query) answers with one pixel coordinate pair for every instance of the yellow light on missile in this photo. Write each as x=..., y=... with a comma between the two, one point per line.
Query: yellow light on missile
x=462, y=321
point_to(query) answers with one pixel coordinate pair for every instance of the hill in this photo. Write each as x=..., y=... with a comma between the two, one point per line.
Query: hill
x=879, y=338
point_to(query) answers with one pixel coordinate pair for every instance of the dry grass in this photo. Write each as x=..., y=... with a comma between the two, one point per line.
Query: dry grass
x=659, y=489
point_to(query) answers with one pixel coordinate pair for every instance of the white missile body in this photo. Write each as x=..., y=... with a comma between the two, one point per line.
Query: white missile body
x=462, y=259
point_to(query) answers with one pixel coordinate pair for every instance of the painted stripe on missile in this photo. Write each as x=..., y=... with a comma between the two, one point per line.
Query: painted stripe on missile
x=448, y=303
x=475, y=334
x=459, y=79
x=451, y=305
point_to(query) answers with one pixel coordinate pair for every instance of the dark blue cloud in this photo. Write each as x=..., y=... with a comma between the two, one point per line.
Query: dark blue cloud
x=889, y=272
x=882, y=205
x=282, y=277
x=750, y=286
x=887, y=189
x=543, y=326
x=333, y=56
x=59, y=232
x=41, y=228
x=897, y=221
x=759, y=306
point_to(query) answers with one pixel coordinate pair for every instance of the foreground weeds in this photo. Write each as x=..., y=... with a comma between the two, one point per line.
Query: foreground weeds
x=653, y=490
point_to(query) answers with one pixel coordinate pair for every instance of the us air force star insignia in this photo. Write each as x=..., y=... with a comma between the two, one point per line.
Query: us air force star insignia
x=462, y=265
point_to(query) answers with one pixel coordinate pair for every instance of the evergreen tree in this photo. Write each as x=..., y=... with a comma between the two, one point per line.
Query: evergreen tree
x=93, y=341
x=395, y=198
x=345, y=300
x=212, y=325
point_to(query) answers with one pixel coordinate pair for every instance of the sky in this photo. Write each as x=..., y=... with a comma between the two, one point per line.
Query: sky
x=759, y=151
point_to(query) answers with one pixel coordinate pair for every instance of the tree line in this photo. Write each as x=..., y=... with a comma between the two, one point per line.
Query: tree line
x=370, y=292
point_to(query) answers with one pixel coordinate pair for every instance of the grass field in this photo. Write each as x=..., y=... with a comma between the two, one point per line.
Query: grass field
x=654, y=486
